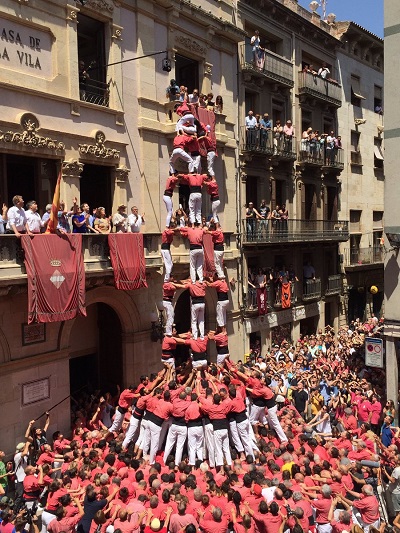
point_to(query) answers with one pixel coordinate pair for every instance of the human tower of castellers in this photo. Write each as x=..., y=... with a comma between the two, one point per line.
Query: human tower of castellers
x=200, y=405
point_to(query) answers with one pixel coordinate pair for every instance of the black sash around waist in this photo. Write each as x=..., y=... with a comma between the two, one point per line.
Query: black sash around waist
x=198, y=300
x=199, y=356
x=219, y=247
x=196, y=247
x=179, y=420
x=195, y=188
x=122, y=410
x=222, y=349
x=214, y=198
x=240, y=417
x=167, y=193
x=157, y=420
x=260, y=402
x=222, y=296
x=195, y=423
x=165, y=246
x=219, y=424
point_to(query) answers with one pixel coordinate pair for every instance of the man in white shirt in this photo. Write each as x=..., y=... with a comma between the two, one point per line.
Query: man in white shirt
x=120, y=219
x=20, y=463
x=33, y=220
x=17, y=217
x=251, y=129
x=135, y=221
x=324, y=72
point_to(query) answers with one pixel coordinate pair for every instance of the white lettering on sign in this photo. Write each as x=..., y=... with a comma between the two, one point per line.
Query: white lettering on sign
x=25, y=49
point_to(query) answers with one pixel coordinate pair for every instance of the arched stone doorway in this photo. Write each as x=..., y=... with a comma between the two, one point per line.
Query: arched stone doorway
x=96, y=354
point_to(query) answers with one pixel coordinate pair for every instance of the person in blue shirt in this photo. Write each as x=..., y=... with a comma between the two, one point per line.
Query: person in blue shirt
x=386, y=431
x=265, y=132
x=80, y=221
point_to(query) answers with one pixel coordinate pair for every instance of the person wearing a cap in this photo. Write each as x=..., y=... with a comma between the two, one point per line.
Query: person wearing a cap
x=20, y=463
x=120, y=219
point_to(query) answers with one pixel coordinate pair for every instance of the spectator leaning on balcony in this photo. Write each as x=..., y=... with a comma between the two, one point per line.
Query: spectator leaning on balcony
x=308, y=273
x=324, y=72
x=265, y=131
x=255, y=43
x=251, y=220
x=3, y=219
x=278, y=136
x=102, y=223
x=17, y=222
x=288, y=132
x=46, y=216
x=135, y=221
x=33, y=220
x=83, y=78
x=264, y=211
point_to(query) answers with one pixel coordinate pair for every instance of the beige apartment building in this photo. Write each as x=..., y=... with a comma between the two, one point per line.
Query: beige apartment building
x=112, y=137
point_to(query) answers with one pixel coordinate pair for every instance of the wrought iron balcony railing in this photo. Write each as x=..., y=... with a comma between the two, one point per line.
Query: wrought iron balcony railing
x=363, y=256
x=265, y=142
x=266, y=64
x=313, y=85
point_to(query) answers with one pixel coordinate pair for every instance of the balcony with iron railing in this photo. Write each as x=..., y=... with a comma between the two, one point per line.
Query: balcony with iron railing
x=320, y=88
x=264, y=142
x=96, y=256
x=312, y=289
x=334, y=285
x=261, y=232
x=315, y=153
x=357, y=257
x=265, y=64
x=95, y=92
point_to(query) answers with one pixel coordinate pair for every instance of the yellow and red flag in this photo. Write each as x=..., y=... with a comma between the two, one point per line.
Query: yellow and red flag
x=53, y=221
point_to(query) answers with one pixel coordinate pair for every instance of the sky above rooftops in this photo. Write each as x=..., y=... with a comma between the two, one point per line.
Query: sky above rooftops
x=365, y=13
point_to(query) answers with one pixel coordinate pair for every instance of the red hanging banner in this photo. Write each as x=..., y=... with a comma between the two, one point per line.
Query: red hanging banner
x=56, y=277
x=209, y=265
x=127, y=259
x=286, y=295
x=262, y=302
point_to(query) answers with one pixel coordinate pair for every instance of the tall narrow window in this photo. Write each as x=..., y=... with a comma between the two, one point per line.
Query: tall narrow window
x=378, y=153
x=356, y=96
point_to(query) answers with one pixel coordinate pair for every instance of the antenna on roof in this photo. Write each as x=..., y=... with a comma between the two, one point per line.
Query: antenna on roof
x=314, y=5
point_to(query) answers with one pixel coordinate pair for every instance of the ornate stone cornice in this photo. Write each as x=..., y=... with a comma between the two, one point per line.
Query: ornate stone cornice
x=72, y=168
x=190, y=44
x=99, y=150
x=116, y=32
x=100, y=5
x=359, y=121
x=72, y=13
x=29, y=136
x=122, y=173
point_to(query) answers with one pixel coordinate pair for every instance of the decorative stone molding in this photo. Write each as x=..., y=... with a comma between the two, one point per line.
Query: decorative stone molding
x=116, y=32
x=75, y=109
x=190, y=44
x=99, y=150
x=100, y=5
x=208, y=69
x=359, y=121
x=72, y=13
x=119, y=119
x=29, y=137
x=72, y=168
x=121, y=174
x=381, y=129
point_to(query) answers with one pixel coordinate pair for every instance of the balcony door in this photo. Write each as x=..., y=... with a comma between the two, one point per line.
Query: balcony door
x=187, y=72
x=95, y=187
x=308, y=202
x=331, y=204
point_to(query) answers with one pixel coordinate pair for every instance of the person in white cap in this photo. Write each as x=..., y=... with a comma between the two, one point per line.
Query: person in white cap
x=20, y=463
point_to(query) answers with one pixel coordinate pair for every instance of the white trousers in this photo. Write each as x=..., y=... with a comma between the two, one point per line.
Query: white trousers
x=168, y=206
x=195, y=444
x=222, y=306
x=356, y=515
x=153, y=435
x=167, y=259
x=214, y=209
x=199, y=364
x=196, y=163
x=164, y=430
x=221, y=441
x=169, y=311
x=196, y=264
x=221, y=358
x=141, y=439
x=197, y=319
x=170, y=362
x=179, y=153
x=117, y=423
x=274, y=423
x=46, y=519
x=176, y=435
x=244, y=430
x=209, y=444
x=257, y=414
x=195, y=207
x=324, y=528
x=133, y=429
x=218, y=262
x=235, y=436
x=210, y=163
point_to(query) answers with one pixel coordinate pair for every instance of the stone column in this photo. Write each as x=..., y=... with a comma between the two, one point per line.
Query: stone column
x=392, y=372
x=70, y=188
x=265, y=340
x=295, y=330
x=121, y=187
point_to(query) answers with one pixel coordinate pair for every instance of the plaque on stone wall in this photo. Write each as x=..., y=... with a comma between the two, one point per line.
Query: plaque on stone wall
x=33, y=333
x=35, y=391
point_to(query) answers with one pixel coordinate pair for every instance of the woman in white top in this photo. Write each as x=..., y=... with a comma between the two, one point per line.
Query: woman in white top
x=322, y=422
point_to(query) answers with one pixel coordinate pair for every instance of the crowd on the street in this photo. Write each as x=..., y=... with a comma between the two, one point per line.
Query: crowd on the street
x=298, y=439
